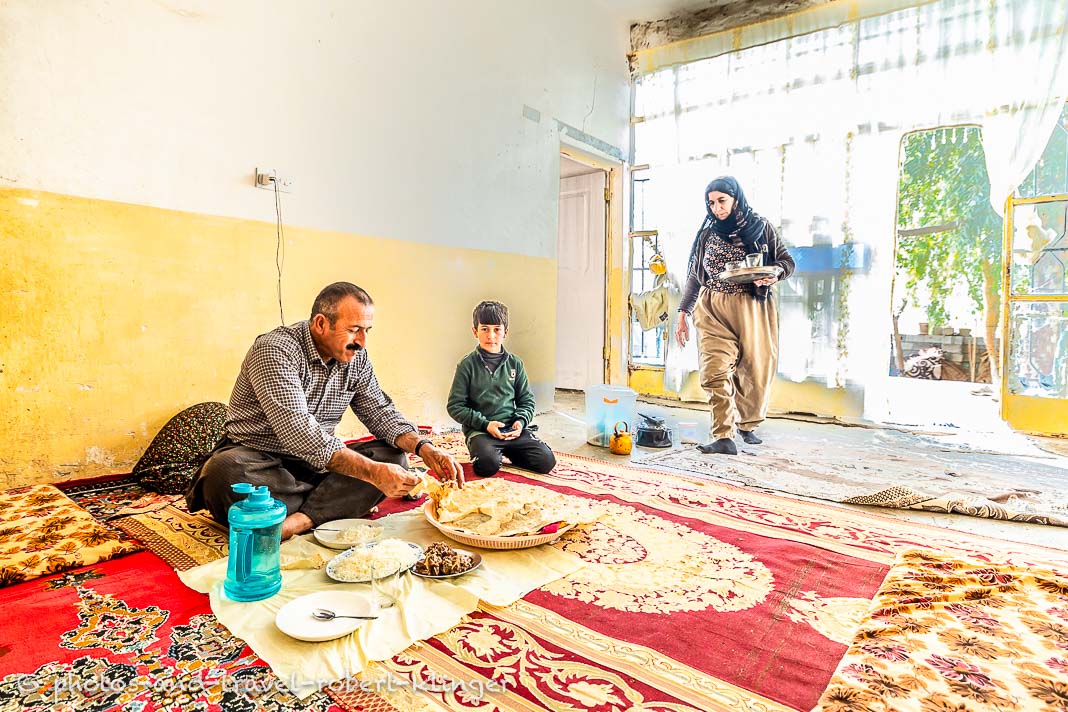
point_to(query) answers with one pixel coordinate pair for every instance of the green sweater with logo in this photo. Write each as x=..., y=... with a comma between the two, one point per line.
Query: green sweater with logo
x=480, y=395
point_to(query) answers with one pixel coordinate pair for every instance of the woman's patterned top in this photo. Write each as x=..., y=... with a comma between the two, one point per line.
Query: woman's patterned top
x=717, y=254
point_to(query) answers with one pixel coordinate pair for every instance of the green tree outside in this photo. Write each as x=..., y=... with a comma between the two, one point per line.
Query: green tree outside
x=952, y=236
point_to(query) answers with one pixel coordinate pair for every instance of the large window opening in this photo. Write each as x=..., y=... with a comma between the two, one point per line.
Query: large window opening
x=947, y=279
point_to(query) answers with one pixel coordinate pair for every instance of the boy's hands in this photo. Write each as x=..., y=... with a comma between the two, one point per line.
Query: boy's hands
x=496, y=429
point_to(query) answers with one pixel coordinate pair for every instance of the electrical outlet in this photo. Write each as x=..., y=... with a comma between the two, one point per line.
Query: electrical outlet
x=267, y=177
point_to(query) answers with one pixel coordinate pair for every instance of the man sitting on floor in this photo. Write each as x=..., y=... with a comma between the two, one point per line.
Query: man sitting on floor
x=291, y=392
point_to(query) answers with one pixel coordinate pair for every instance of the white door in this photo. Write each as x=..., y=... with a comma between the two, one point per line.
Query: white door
x=580, y=297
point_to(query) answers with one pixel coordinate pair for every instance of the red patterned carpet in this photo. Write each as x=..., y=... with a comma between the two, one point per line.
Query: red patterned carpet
x=696, y=596
x=127, y=634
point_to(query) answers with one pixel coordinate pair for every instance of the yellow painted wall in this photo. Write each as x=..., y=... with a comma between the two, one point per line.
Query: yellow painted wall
x=786, y=396
x=113, y=317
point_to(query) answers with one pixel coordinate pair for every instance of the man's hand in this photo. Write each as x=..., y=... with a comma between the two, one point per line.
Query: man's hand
x=442, y=464
x=393, y=480
x=766, y=281
x=496, y=429
x=682, y=331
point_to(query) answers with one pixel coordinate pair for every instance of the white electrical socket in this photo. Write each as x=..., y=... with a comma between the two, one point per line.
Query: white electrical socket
x=267, y=177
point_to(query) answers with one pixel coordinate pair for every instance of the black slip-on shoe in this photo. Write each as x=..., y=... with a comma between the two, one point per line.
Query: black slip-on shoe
x=750, y=437
x=723, y=446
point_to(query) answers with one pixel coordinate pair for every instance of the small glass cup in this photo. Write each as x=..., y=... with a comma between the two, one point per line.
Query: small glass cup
x=380, y=581
x=754, y=259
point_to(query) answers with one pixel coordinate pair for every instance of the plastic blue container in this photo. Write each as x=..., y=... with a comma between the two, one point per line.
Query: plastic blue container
x=253, y=572
x=606, y=406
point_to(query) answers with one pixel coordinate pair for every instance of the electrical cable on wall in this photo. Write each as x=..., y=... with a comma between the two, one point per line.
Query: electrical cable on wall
x=279, y=248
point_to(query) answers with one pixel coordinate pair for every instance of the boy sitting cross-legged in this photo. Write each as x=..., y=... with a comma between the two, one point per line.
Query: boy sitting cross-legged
x=492, y=400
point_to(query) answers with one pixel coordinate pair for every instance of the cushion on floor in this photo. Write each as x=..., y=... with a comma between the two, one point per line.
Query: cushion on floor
x=180, y=447
x=43, y=532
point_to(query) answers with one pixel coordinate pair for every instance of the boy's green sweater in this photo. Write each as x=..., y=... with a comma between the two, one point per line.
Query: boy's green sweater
x=479, y=396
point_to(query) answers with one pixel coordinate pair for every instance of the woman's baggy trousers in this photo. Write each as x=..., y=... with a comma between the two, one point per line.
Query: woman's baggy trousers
x=738, y=343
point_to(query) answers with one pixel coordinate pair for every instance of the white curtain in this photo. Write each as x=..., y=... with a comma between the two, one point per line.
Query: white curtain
x=1015, y=132
x=811, y=127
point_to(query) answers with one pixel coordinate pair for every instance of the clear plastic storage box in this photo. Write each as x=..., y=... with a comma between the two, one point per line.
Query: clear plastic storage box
x=606, y=406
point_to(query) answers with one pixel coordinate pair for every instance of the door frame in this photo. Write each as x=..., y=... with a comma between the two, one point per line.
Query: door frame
x=612, y=355
x=1044, y=416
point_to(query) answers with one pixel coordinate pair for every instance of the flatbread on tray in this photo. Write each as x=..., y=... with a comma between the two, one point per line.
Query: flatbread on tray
x=498, y=507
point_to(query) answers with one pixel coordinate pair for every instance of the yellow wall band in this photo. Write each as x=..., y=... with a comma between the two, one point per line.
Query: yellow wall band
x=116, y=316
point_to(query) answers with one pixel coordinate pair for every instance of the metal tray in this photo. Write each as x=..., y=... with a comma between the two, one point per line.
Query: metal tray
x=745, y=275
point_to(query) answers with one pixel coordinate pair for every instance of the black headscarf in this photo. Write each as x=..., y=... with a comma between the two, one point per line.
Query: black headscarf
x=743, y=222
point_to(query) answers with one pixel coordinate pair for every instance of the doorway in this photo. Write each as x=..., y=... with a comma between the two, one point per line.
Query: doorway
x=944, y=343
x=580, y=285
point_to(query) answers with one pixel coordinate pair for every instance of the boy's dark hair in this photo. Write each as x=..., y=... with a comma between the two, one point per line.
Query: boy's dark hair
x=490, y=312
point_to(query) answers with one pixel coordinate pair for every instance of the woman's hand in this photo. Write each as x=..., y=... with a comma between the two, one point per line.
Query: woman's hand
x=682, y=331
x=766, y=281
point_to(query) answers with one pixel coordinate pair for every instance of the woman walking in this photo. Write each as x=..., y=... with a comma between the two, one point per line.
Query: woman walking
x=737, y=324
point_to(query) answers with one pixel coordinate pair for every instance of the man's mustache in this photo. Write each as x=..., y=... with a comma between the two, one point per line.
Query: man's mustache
x=353, y=347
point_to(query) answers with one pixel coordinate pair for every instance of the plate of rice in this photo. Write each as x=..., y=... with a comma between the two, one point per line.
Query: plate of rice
x=347, y=533
x=382, y=558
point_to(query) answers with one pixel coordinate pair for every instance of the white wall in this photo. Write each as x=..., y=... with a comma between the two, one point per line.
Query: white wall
x=394, y=119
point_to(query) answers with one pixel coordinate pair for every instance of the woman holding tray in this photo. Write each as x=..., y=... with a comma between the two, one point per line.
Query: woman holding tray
x=736, y=321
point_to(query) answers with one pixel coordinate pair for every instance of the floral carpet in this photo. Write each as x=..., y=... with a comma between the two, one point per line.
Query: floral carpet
x=696, y=596
x=126, y=634
x=115, y=496
x=947, y=634
x=44, y=532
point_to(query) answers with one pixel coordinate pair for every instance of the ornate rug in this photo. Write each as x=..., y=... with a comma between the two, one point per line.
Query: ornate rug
x=887, y=468
x=44, y=532
x=696, y=596
x=948, y=633
x=181, y=539
x=126, y=634
x=115, y=496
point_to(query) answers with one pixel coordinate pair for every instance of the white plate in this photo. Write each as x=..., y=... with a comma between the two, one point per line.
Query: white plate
x=331, y=570
x=329, y=539
x=476, y=562
x=295, y=618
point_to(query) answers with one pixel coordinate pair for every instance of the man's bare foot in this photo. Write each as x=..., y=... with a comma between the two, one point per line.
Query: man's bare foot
x=296, y=523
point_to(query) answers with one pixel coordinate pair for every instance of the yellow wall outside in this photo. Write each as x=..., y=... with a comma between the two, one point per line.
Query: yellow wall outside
x=116, y=316
x=786, y=396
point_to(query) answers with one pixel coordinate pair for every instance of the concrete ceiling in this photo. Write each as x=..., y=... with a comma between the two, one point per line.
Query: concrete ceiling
x=569, y=168
x=635, y=11
x=658, y=22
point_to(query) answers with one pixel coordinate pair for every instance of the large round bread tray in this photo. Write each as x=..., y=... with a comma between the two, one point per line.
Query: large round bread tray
x=489, y=542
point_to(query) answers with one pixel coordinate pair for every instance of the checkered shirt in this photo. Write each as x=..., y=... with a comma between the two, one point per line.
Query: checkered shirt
x=288, y=401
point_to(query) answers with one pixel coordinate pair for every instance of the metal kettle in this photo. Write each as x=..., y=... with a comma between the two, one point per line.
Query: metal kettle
x=621, y=441
x=652, y=432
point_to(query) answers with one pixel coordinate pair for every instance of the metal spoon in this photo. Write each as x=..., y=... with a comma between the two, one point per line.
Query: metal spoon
x=321, y=614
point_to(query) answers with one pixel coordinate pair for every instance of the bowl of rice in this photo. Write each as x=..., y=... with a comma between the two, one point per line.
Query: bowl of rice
x=347, y=533
x=380, y=559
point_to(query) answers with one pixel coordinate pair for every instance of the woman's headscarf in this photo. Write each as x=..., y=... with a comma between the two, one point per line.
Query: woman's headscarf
x=742, y=222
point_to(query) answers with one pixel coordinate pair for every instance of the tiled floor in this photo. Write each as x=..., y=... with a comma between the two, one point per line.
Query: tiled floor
x=564, y=429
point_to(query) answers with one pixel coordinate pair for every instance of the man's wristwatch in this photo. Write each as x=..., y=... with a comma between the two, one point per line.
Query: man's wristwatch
x=419, y=445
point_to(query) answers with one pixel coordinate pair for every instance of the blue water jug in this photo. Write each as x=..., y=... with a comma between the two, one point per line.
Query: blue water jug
x=253, y=572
